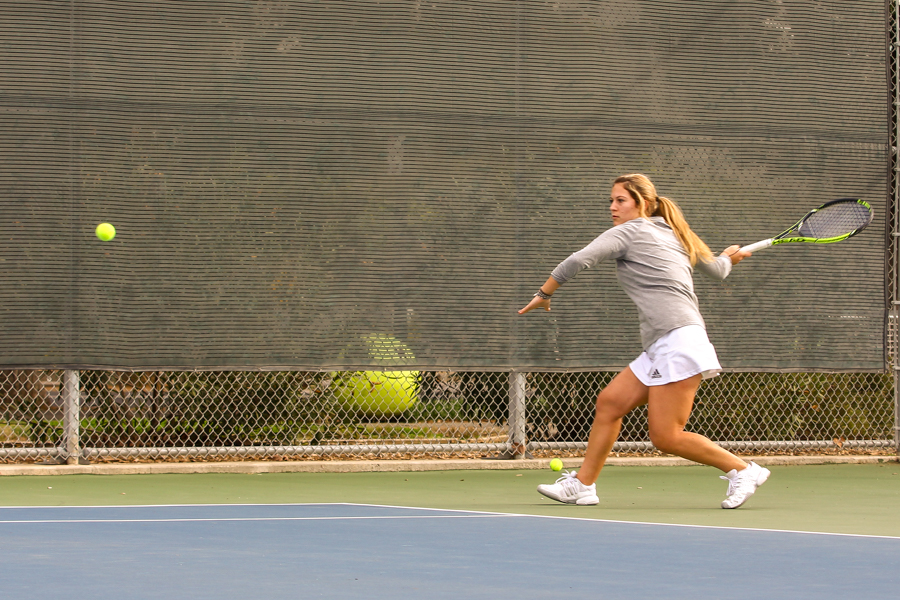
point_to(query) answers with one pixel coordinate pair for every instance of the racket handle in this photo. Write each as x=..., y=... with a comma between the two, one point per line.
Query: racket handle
x=758, y=246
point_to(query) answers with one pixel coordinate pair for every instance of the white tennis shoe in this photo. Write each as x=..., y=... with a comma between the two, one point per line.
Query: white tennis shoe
x=569, y=490
x=742, y=484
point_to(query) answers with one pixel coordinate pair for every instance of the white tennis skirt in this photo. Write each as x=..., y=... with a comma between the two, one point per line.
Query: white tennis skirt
x=678, y=355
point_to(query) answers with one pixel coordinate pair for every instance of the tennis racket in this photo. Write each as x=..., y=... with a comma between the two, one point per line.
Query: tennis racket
x=832, y=222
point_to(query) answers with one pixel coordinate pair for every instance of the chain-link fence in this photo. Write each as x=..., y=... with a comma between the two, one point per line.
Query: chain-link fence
x=108, y=415
x=171, y=415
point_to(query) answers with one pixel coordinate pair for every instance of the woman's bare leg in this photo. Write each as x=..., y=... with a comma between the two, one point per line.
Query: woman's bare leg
x=668, y=410
x=623, y=394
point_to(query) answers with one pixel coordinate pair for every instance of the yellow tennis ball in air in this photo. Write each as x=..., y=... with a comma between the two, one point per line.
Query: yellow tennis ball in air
x=556, y=464
x=105, y=231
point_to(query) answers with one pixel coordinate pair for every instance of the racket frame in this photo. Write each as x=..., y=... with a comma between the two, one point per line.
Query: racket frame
x=782, y=238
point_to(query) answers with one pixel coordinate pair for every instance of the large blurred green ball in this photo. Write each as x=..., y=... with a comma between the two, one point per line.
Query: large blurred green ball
x=383, y=393
x=378, y=393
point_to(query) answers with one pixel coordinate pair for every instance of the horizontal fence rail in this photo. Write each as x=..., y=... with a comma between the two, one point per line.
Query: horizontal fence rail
x=72, y=416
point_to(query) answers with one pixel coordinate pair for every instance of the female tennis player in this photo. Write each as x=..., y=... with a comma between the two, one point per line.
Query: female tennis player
x=655, y=252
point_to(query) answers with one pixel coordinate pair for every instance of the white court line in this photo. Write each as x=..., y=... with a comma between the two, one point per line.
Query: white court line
x=248, y=519
x=589, y=520
x=43, y=506
x=458, y=513
x=236, y=504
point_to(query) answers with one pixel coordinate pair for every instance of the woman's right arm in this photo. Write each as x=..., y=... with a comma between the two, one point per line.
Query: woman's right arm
x=735, y=254
x=720, y=267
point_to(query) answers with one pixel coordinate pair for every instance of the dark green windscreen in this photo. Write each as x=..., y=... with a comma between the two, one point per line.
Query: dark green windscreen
x=310, y=185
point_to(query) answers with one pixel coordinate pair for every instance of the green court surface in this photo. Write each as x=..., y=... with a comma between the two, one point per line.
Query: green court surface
x=852, y=499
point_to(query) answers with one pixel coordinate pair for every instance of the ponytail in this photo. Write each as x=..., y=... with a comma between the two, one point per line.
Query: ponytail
x=696, y=248
x=649, y=204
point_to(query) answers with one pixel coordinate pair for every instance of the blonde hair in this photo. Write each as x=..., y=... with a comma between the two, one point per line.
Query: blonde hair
x=649, y=204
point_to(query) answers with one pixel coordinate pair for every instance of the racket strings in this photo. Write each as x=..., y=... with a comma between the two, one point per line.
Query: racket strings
x=835, y=220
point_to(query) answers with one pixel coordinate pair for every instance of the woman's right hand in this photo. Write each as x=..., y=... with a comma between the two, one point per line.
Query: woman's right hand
x=735, y=254
x=536, y=302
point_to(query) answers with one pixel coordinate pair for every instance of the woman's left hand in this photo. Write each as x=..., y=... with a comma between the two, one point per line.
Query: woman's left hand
x=536, y=302
x=735, y=254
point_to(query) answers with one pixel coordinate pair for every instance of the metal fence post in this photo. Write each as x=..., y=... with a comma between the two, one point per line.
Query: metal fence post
x=72, y=417
x=517, y=417
x=517, y=443
x=897, y=411
x=894, y=259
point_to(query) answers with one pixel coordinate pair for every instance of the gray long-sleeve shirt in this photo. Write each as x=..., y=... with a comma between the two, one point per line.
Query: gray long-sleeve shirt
x=654, y=270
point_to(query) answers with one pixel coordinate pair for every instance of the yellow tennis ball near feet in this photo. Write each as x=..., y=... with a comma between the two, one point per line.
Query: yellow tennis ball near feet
x=556, y=464
x=105, y=231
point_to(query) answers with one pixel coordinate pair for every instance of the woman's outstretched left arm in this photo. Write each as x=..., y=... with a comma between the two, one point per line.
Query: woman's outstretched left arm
x=612, y=243
x=548, y=288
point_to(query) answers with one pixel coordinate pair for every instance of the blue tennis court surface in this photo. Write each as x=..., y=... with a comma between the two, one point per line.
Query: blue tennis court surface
x=362, y=551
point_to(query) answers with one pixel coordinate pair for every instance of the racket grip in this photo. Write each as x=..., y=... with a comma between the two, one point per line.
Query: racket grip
x=757, y=246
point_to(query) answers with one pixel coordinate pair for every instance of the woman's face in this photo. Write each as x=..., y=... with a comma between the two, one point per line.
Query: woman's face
x=622, y=206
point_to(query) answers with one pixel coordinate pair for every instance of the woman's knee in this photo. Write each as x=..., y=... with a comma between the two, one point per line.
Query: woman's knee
x=623, y=394
x=611, y=408
x=665, y=439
